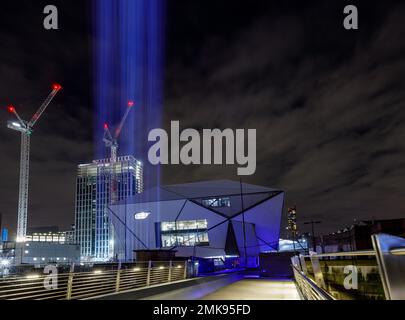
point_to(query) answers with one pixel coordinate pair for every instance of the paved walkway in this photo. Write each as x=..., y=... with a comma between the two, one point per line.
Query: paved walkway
x=245, y=289
x=256, y=289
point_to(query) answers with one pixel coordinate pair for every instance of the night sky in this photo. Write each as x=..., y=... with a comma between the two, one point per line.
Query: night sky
x=327, y=103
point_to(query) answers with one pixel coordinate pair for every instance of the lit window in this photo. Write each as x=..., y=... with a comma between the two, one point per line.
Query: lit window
x=141, y=215
x=217, y=202
x=184, y=233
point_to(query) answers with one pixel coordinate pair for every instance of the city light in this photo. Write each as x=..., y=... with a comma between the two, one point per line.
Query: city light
x=5, y=262
x=98, y=272
x=16, y=124
x=32, y=276
x=20, y=239
x=56, y=86
x=137, y=269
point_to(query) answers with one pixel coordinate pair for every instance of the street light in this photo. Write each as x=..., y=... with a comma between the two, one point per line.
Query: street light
x=313, y=223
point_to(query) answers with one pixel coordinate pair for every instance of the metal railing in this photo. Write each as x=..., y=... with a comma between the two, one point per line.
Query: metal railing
x=308, y=288
x=371, y=274
x=80, y=285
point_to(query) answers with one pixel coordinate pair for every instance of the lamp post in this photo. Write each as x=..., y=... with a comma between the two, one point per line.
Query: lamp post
x=313, y=223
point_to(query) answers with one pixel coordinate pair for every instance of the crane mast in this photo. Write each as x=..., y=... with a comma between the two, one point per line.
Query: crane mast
x=111, y=141
x=26, y=130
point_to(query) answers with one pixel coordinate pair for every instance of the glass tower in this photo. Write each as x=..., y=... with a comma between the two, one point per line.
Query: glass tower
x=98, y=185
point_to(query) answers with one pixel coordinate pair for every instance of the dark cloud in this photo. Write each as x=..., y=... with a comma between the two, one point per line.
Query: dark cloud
x=31, y=59
x=330, y=120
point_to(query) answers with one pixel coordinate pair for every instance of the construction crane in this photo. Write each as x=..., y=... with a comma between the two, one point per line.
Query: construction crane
x=26, y=129
x=111, y=141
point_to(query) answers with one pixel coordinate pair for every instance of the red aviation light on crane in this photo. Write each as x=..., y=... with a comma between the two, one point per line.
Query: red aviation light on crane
x=105, y=126
x=11, y=109
x=130, y=103
x=56, y=86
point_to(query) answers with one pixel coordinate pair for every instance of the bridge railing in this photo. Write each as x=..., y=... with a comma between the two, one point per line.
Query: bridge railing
x=308, y=288
x=80, y=285
x=362, y=275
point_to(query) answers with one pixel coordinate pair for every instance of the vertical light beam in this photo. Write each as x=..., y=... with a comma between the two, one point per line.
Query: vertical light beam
x=128, y=65
x=128, y=60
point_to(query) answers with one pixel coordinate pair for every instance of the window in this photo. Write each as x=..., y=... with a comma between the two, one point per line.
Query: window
x=141, y=215
x=217, y=202
x=184, y=233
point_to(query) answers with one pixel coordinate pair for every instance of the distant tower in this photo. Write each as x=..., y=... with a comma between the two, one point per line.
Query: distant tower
x=93, y=230
x=292, y=223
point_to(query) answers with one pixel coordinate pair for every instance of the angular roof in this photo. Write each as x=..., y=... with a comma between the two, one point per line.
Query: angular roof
x=195, y=190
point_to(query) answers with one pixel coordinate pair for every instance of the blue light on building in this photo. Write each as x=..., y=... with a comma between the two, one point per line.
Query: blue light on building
x=4, y=235
x=189, y=219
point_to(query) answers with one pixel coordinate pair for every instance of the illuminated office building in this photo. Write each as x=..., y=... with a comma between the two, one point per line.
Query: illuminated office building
x=201, y=219
x=98, y=185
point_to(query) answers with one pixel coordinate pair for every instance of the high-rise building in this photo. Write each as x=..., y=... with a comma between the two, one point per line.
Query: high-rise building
x=100, y=184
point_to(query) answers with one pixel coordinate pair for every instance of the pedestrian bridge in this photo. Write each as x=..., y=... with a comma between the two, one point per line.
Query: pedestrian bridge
x=362, y=275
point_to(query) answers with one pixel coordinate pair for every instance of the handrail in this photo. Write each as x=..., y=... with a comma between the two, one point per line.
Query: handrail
x=317, y=294
x=345, y=254
x=77, y=285
x=396, y=252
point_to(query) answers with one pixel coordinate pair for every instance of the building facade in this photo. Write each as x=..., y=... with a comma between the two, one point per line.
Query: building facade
x=211, y=219
x=48, y=234
x=358, y=236
x=100, y=184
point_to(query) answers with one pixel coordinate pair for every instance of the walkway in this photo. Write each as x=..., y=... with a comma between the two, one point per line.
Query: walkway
x=244, y=289
x=256, y=289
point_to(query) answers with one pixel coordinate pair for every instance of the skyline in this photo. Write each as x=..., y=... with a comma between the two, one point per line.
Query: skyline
x=326, y=103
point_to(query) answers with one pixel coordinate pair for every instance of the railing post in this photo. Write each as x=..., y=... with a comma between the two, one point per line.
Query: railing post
x=149, y=271
x=69, y=286
x=185, y=270
x=391, y=267
x=118, y=279
x=170, y=271
x=316, y=268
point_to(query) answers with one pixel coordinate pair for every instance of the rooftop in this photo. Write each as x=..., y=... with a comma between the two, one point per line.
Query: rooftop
x=198, y=190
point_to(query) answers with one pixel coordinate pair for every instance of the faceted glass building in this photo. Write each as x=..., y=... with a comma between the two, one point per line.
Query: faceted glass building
x=203, y=219
x=98, y=185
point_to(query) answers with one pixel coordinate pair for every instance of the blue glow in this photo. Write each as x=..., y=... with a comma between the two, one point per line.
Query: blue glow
x=4, y=235
x=128, y=65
